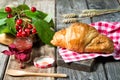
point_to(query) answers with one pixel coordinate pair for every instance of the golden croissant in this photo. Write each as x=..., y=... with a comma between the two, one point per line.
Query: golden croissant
x=81, y=37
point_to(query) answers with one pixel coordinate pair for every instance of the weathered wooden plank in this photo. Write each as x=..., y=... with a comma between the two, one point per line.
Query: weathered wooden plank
x=105, y=4
x=68, y=6
x=81, y=75
x=113, y=70
x=46, y=6
x=3, y=61
x=85, y=65
x=65, y=7
x=111, y=66
x=3, y=58
x=119, y=1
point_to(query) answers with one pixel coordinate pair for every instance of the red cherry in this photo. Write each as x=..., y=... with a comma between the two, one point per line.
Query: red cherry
x=34, y=31
x=33, y=9
x=27, y=31
x=8, y=9
x=18, y=34
x=30, y=26
x=23, y=34
x=9, y=15
x=19, y=21
x=20, y=30
x=20, y=27
x=17, y=27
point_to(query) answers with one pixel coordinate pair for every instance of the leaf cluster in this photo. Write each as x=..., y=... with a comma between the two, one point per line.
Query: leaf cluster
x=42, y=21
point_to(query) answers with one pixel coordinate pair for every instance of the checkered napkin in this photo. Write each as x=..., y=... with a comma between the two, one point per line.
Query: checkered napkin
x=110, y=29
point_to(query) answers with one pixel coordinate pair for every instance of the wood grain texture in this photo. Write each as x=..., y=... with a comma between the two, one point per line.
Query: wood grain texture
x=85, y=65
x=111, y=67
x=71, y=6
x=99, y=4
x=119, y=1
x=81, y=75
x=107, y=71
x=72, y=73
x=113, y=70
x=68, y=6
x=3, y=61
x=39, y=49
x=105, y=4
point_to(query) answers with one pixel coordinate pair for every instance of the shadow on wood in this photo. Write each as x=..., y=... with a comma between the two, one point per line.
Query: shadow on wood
x=85, y=65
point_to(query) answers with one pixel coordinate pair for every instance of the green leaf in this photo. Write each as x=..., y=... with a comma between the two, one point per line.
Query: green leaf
x=42, y=15
x=3, y=15
x=23, y=7
x=30, y=14
x=11, y=24
x=48, y=18
x=4, y=29
x=15, y=10
x=35, y=15
x=2, y=10
x=44, y=31
x=2, y=21
x=51, y=24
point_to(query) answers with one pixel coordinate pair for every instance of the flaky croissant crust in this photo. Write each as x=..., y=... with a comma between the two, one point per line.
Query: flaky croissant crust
x=81, y=37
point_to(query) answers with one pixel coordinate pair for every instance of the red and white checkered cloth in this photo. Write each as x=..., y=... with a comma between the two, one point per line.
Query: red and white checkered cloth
x=110, y=29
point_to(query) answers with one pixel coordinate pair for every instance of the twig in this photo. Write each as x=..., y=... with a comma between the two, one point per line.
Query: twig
x=72, y=20
x=91, y=13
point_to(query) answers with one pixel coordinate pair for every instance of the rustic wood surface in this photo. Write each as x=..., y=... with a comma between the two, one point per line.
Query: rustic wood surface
x=111, y=68
x=71, y=7
x=119, y=1
x=84, y=65
x=104, y=68
x=3, y=61
x=37, y=50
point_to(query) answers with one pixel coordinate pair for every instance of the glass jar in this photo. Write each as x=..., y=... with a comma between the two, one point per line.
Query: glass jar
x=24, y=48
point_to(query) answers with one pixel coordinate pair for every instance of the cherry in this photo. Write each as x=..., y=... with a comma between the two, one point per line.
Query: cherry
x=8, y=9
x=18, y=34
x=33, y=9
x=20, y=30
x=20, y=27
x=17, y=27
x=27, y=31
x=9, y=15
x=34, y=31
x=30, y=26
x=19, y=21
x=23, y=34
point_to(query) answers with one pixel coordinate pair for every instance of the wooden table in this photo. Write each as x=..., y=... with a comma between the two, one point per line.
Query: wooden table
x=105, y=68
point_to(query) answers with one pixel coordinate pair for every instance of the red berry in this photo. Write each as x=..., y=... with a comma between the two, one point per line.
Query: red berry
x=19, y=21
x=18, y=34
x=8, y=9
x=9, y=15
x=33, y=9
x=20, y=30
x=24, y=34
x=17, y=27
x=27, y=31
x=34, y=31
x=30, y=26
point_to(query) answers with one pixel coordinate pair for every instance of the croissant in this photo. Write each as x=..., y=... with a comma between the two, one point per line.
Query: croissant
x=81, y=37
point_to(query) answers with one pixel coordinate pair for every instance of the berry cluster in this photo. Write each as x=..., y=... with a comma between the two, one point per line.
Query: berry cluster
x=9, y=10
x=24, y=28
